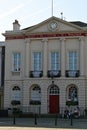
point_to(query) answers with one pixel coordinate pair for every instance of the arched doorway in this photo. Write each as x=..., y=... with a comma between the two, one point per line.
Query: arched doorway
x=53, y=94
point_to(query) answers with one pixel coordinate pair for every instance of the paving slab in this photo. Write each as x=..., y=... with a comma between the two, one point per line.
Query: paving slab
x=33, y=128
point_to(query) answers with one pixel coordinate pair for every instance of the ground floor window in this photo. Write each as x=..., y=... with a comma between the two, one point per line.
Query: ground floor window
x=72, y=95
x=72, y=92
x=35, y=97
x=16, y=95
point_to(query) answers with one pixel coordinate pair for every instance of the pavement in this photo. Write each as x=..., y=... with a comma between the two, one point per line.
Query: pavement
x=42, y=124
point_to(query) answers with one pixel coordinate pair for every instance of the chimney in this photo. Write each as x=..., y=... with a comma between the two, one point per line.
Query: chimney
x=16, y=26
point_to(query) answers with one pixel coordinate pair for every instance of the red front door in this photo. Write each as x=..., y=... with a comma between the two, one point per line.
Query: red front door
x=54, y=103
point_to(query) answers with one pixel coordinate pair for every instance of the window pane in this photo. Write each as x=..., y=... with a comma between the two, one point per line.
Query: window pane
x=54, y=90
x=37, y=61
x=73, y=60
x=36, y=94
x=16, y=94
x=16, y=61
x=55, y=61
x=73, y=94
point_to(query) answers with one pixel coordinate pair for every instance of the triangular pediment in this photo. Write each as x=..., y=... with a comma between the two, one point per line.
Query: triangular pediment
x=53, y=24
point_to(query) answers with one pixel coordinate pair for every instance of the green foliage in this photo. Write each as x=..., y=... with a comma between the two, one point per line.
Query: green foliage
x=17, y=111
x=71, y=103
x=15, y=102
x=33, y=102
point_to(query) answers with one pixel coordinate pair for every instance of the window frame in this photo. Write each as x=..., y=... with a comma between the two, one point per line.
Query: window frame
x=40, y=61
x=73, y=51
x=16, y=61
x=35, y=93
x=16, y=93
x=72, y=87
x=57, y=63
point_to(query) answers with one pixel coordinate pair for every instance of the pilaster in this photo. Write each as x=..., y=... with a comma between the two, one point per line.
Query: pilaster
x=62, y=42
x=27, y=57
x=45, y=42
x=81, y=40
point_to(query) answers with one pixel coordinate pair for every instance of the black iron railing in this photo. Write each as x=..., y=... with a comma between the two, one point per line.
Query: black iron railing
x=54, y=73
x=36, y=74
x=72, y=73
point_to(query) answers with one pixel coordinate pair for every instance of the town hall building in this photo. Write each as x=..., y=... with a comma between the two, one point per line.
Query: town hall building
x=46, y=66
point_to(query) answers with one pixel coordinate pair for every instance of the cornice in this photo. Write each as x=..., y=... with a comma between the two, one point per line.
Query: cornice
x=23, y=35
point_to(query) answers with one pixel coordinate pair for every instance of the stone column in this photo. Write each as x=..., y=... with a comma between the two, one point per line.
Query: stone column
x=62, y=57
x=27, y=57
x=45, y=41
x=81, y=40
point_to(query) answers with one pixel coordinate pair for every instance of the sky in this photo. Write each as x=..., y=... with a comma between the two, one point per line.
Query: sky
x=31, y=12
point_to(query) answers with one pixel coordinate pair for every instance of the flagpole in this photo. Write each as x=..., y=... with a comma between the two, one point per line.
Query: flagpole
x=52, y=7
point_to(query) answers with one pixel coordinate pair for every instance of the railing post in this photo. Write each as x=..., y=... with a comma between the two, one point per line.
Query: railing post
x=35, y=119
x=14, y=119
x=56, y=120
x=35, y=114
x=71, y=119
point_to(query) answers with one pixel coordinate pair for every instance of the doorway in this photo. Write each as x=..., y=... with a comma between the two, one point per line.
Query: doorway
x=54, y=100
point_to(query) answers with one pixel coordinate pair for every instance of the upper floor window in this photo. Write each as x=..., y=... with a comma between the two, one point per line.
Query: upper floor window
x=73, y=60
x=16, y=61
x=55, y=61
x=37, y=66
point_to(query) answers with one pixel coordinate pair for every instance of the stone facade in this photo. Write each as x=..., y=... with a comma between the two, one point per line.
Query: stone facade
x=51, y=35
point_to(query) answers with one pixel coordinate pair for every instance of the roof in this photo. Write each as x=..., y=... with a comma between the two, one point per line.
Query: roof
x=28, y=27
x=79, y=23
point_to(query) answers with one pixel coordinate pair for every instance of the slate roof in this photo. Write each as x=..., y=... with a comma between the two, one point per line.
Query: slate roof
x=79, y=23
